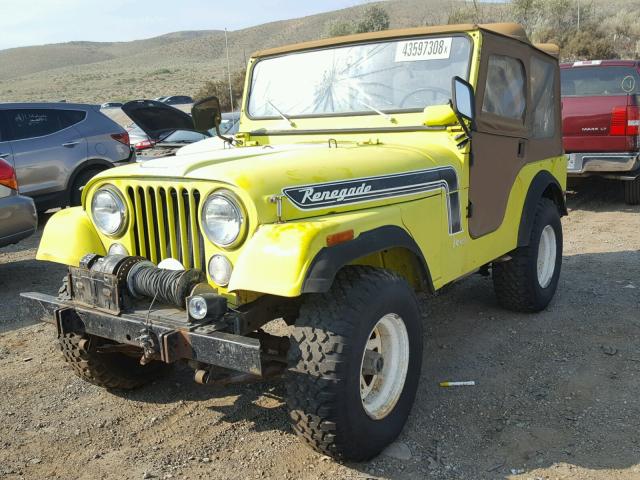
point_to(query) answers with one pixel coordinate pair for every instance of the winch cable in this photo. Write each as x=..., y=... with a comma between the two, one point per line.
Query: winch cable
x=166, y=286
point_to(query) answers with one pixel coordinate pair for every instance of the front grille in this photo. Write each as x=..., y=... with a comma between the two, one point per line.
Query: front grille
x=165, y=224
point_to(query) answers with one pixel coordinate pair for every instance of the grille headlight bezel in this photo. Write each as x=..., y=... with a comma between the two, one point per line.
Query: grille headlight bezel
x=104, y=192
x=220, y=234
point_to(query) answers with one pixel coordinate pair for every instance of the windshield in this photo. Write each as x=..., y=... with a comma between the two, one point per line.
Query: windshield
x=399, y=75
x=183, y=136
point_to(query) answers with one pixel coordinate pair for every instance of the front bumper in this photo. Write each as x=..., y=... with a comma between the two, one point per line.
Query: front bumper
x=613, y=165
x=170, y=340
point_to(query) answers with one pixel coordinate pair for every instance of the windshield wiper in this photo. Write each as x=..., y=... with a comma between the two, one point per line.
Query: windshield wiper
x=379, y=112
x=284, y=117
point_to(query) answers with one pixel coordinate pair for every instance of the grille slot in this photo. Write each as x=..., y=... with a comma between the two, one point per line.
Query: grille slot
x=165, y=224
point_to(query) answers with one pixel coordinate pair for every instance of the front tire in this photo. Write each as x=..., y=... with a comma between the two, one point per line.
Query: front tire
x=528, y=281
x=108, y=370
x=354, y=364
x=632, y=192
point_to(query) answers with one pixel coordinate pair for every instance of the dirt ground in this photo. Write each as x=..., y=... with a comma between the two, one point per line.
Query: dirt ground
x=556, y=393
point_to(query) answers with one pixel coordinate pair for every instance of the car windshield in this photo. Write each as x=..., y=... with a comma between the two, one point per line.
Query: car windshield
x=182, y=136
x=229, y=125
x=389, y=76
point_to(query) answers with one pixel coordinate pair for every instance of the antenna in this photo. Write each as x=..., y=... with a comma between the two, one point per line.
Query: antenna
x=226, y=43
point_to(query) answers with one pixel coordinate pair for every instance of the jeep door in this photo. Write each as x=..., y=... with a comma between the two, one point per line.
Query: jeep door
x=46, y=148
x=518, y=118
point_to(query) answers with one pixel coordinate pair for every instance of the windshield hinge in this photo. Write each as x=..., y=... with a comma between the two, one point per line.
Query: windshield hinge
x=277, y=199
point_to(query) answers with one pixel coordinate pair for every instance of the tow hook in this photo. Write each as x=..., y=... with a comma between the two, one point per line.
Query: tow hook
x=147, y=343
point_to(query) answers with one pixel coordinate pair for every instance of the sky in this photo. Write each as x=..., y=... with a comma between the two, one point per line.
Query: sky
x=37, y=22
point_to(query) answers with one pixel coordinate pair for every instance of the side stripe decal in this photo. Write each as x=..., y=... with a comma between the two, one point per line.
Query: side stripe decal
x=367, y=189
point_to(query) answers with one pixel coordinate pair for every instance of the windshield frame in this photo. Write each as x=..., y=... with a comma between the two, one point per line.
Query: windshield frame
x=364, y=112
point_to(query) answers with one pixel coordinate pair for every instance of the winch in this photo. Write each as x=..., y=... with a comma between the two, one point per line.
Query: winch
x=118, y=282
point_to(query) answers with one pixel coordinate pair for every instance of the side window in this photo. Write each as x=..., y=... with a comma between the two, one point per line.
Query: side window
x=543, y=95
x=505, y=93
x=32, y=123
x=71, y=117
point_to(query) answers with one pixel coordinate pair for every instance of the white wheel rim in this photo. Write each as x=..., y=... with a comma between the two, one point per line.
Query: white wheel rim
x=380, y=392
x=546, y=256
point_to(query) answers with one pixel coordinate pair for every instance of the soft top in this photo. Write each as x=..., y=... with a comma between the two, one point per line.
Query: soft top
x=511, y=30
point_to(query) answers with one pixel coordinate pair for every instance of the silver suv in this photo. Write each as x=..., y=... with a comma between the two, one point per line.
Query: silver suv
x=57, y=147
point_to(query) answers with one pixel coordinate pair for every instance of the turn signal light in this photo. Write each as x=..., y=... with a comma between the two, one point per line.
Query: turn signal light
x=340, y=237
x=8, y=175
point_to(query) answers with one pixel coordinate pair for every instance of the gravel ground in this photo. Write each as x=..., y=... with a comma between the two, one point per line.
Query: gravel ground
x=556, y=393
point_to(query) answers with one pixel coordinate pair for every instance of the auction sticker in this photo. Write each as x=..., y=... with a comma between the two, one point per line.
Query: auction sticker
x=423, y=49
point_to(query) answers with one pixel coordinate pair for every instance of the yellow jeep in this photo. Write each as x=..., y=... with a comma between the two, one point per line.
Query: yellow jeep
x=367, y=167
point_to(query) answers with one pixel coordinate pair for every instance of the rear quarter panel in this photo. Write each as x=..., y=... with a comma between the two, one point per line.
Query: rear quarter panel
x=97, y=129
x=586, y=122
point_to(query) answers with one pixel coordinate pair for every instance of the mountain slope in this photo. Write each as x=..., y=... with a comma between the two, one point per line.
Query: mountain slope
x=177, y=63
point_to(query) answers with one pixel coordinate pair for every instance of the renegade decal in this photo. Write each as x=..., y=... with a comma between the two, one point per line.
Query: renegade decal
x=358, y=190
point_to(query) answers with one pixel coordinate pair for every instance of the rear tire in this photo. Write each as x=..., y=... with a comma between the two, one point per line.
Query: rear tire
x=528, y=281
x=338, y=405
x=632, y=192
x=75, y=194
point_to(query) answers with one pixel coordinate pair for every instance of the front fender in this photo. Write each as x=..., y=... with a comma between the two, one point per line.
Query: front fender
x=278, y=256
x=68, y=236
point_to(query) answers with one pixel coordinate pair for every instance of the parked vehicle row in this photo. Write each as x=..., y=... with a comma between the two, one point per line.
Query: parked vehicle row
x=175, y=100
x=170, y=100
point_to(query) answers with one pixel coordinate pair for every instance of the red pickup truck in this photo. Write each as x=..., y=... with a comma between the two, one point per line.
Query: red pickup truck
x=601, y=121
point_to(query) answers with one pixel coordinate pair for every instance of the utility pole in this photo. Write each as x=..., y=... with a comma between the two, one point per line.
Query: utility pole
x=226, y=43
x=578, y=15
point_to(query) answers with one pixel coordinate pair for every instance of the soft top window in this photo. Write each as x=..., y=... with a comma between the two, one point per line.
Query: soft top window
x=505, y=93
x=399, y=75
x=599, y=81
x=543, y=97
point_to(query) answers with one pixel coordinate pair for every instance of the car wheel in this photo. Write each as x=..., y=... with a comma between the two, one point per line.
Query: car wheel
x=632, y=192
x=528, y=281
x=75, y=194
x=354, y=364
x=91, y=360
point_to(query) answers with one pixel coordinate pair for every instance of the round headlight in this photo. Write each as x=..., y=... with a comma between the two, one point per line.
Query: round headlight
x=222, y=219
x=197, y=307
x=108, y=211
x=220, y=270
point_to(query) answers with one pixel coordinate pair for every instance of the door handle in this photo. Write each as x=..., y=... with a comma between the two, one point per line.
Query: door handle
x=4, y=155
x=70, y=144
x=521, y=148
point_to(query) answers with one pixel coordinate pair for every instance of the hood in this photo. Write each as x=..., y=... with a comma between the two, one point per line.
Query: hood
x=203, y=146
x=305, y=172
x=156, y=117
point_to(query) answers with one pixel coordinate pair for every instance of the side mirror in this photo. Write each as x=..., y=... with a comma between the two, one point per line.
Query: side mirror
x=463, y=102
x=206, y=114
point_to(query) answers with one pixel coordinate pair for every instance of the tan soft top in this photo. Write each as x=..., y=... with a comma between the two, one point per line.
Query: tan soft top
x=512, y=30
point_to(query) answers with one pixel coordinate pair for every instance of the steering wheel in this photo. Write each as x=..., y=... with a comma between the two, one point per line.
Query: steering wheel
x=434, y=92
